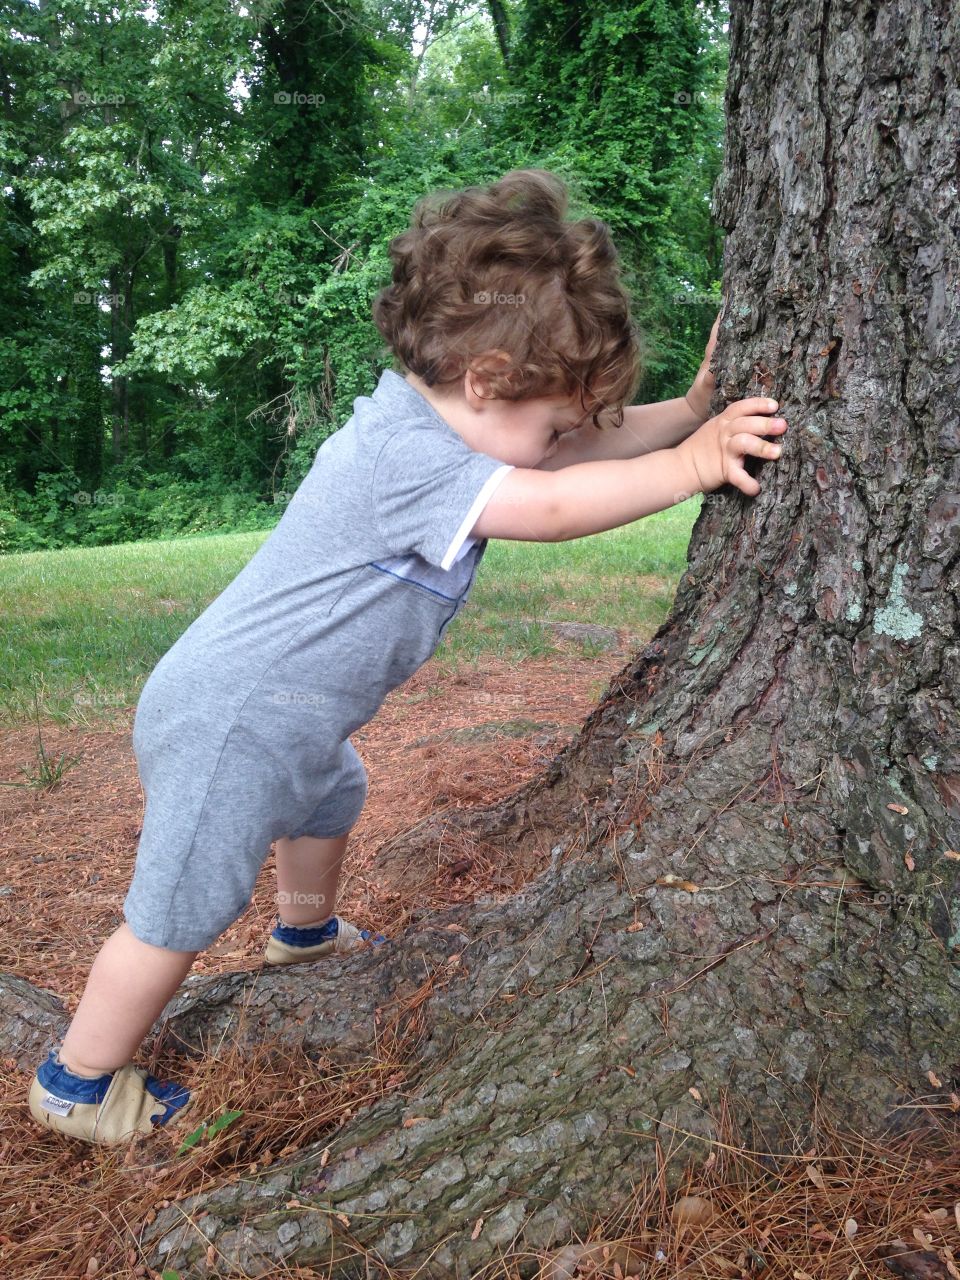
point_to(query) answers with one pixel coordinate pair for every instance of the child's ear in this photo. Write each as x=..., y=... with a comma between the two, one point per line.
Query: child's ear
x=476, y=386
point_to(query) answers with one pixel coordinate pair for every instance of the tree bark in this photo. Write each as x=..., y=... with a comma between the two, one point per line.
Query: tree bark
x=501, y=26
x=119, y=386
x=740, y=900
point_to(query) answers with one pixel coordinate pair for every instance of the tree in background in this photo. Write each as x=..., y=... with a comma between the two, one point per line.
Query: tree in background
x=201, y=197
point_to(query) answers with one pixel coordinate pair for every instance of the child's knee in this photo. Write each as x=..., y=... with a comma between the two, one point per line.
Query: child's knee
x=187, y=932
x=341, y=807
x=351, y=793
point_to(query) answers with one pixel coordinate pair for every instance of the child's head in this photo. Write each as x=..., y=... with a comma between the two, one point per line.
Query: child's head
x=493, y=281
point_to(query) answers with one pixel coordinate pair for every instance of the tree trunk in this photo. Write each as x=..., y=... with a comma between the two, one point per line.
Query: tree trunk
x=87, y=434
x=501, y=27
x=741, y=897
x=119, y=388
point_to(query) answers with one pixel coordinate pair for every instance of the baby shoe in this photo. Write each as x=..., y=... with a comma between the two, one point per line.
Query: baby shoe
x=107, y=1108
x=290, y=943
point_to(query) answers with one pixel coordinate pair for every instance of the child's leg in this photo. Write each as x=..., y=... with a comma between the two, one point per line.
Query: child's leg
x=308, y=863
x=308, y=870
x=129, y=984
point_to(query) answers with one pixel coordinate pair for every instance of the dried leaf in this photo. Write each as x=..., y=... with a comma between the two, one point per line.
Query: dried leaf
x=908, y=861
x=951, y=853
x=563, y=1264
x=342, y=1217
x=934, y=1080
x=695, y=1093
x=693, y=1211
x=815, y=1176
x=575, y=1259
x=898, y=808
x=922, y=1238
x=477, y=1228
x=629, y=1070
x=676, y=882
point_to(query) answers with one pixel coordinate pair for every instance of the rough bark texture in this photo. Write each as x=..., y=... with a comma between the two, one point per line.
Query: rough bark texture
x=805, y=682
x=31, y=1019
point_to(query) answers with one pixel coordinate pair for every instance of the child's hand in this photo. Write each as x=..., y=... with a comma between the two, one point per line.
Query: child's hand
x=719, y=448
x=702, y=388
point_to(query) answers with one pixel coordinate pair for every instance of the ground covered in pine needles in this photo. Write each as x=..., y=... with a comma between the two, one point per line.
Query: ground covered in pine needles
x=848, y=1210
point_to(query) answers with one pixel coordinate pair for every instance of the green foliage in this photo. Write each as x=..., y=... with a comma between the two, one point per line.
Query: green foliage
x=208, y=1129
x=61, y=513
x=200, y=200
x=48, y=773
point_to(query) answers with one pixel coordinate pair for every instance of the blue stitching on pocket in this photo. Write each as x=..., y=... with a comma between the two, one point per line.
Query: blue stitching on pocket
x=413, y=582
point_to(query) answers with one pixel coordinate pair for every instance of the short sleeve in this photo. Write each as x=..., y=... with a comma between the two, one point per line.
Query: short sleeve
x=428, y=489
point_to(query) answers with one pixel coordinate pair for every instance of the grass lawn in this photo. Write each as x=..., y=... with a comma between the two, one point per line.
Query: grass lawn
x=82, y=628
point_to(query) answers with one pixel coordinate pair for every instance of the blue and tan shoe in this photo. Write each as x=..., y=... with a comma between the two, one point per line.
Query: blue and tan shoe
x=106, y=1109
x=289, y=944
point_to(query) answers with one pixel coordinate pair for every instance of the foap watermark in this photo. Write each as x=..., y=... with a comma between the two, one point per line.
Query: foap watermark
x=86, y=298
x=884, y=899
x=297, y=698
x=294, y=99
x=84, y=99
x=500, y=699
x=298, y=899
x=99, y=498
x=511, y=99
x=692, y=298
x=714, y=496
x=97, y=699
x=491, y=297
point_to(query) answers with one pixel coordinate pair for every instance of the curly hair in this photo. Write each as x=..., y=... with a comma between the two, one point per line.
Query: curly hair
x=497, y=268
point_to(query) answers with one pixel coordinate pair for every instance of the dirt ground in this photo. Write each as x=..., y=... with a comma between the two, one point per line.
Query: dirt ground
x=69, y=1212
x=440, y=740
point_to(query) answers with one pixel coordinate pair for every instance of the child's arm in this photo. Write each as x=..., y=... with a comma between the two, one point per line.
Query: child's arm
x=646, y=427
x=537, y=506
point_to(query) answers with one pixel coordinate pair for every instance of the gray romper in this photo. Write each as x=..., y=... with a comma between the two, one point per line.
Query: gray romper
x=241, y=732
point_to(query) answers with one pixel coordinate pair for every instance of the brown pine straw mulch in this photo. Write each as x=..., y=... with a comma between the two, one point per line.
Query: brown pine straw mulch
x=70, y=1210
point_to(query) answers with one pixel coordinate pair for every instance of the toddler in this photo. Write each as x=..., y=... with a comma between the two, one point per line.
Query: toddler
x=504, y=418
